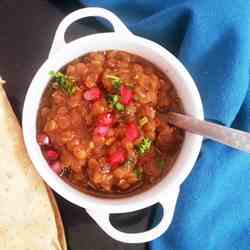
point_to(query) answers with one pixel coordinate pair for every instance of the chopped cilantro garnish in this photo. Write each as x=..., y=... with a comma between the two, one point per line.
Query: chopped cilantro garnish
x=114, y=101
x=138, y=173
x=116, y=84
x=64, y=82
x=116, y=81
x=119, y=107
x=143, y=121
x=144, y=145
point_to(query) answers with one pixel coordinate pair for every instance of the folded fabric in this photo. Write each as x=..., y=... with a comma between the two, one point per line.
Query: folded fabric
x=212, y=39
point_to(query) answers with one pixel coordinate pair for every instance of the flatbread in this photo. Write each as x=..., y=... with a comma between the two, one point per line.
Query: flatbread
x=29, y=217
x=59, y=223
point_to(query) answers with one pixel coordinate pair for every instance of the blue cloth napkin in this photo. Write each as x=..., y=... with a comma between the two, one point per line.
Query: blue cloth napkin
x=212, y=39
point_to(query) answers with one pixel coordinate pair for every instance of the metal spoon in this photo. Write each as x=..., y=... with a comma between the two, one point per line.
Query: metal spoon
x=228, y=136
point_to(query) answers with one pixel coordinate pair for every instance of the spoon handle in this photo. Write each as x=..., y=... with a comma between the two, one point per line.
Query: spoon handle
x=228, y=136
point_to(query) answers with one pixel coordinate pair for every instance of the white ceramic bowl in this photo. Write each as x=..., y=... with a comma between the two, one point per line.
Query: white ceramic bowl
x=165, y=192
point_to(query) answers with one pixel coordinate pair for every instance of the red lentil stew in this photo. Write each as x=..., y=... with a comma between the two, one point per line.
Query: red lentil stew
x=98, y=125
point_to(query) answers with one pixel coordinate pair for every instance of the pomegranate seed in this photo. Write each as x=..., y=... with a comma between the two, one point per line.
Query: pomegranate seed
x=92, y=94
x=117, y=157
x=51, y=155
x=132, y=131
x=106, y=119
x=56, y=167
x=126, y=95
x=101, y=130
x=42, y=139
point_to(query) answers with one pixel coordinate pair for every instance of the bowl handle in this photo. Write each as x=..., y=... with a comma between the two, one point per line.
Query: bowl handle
x=168, y=205
x=59, y=41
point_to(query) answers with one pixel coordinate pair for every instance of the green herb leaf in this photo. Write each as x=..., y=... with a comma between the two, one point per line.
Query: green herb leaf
x=114, y=101
x=116, y=81
x=116, y=84
x=119, y=107
x=144, y=146
x=143, y=121
x=138, y=173
x=64, y=82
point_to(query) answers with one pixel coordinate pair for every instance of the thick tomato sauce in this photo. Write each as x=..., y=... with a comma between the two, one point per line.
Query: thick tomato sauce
x=100, y=130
